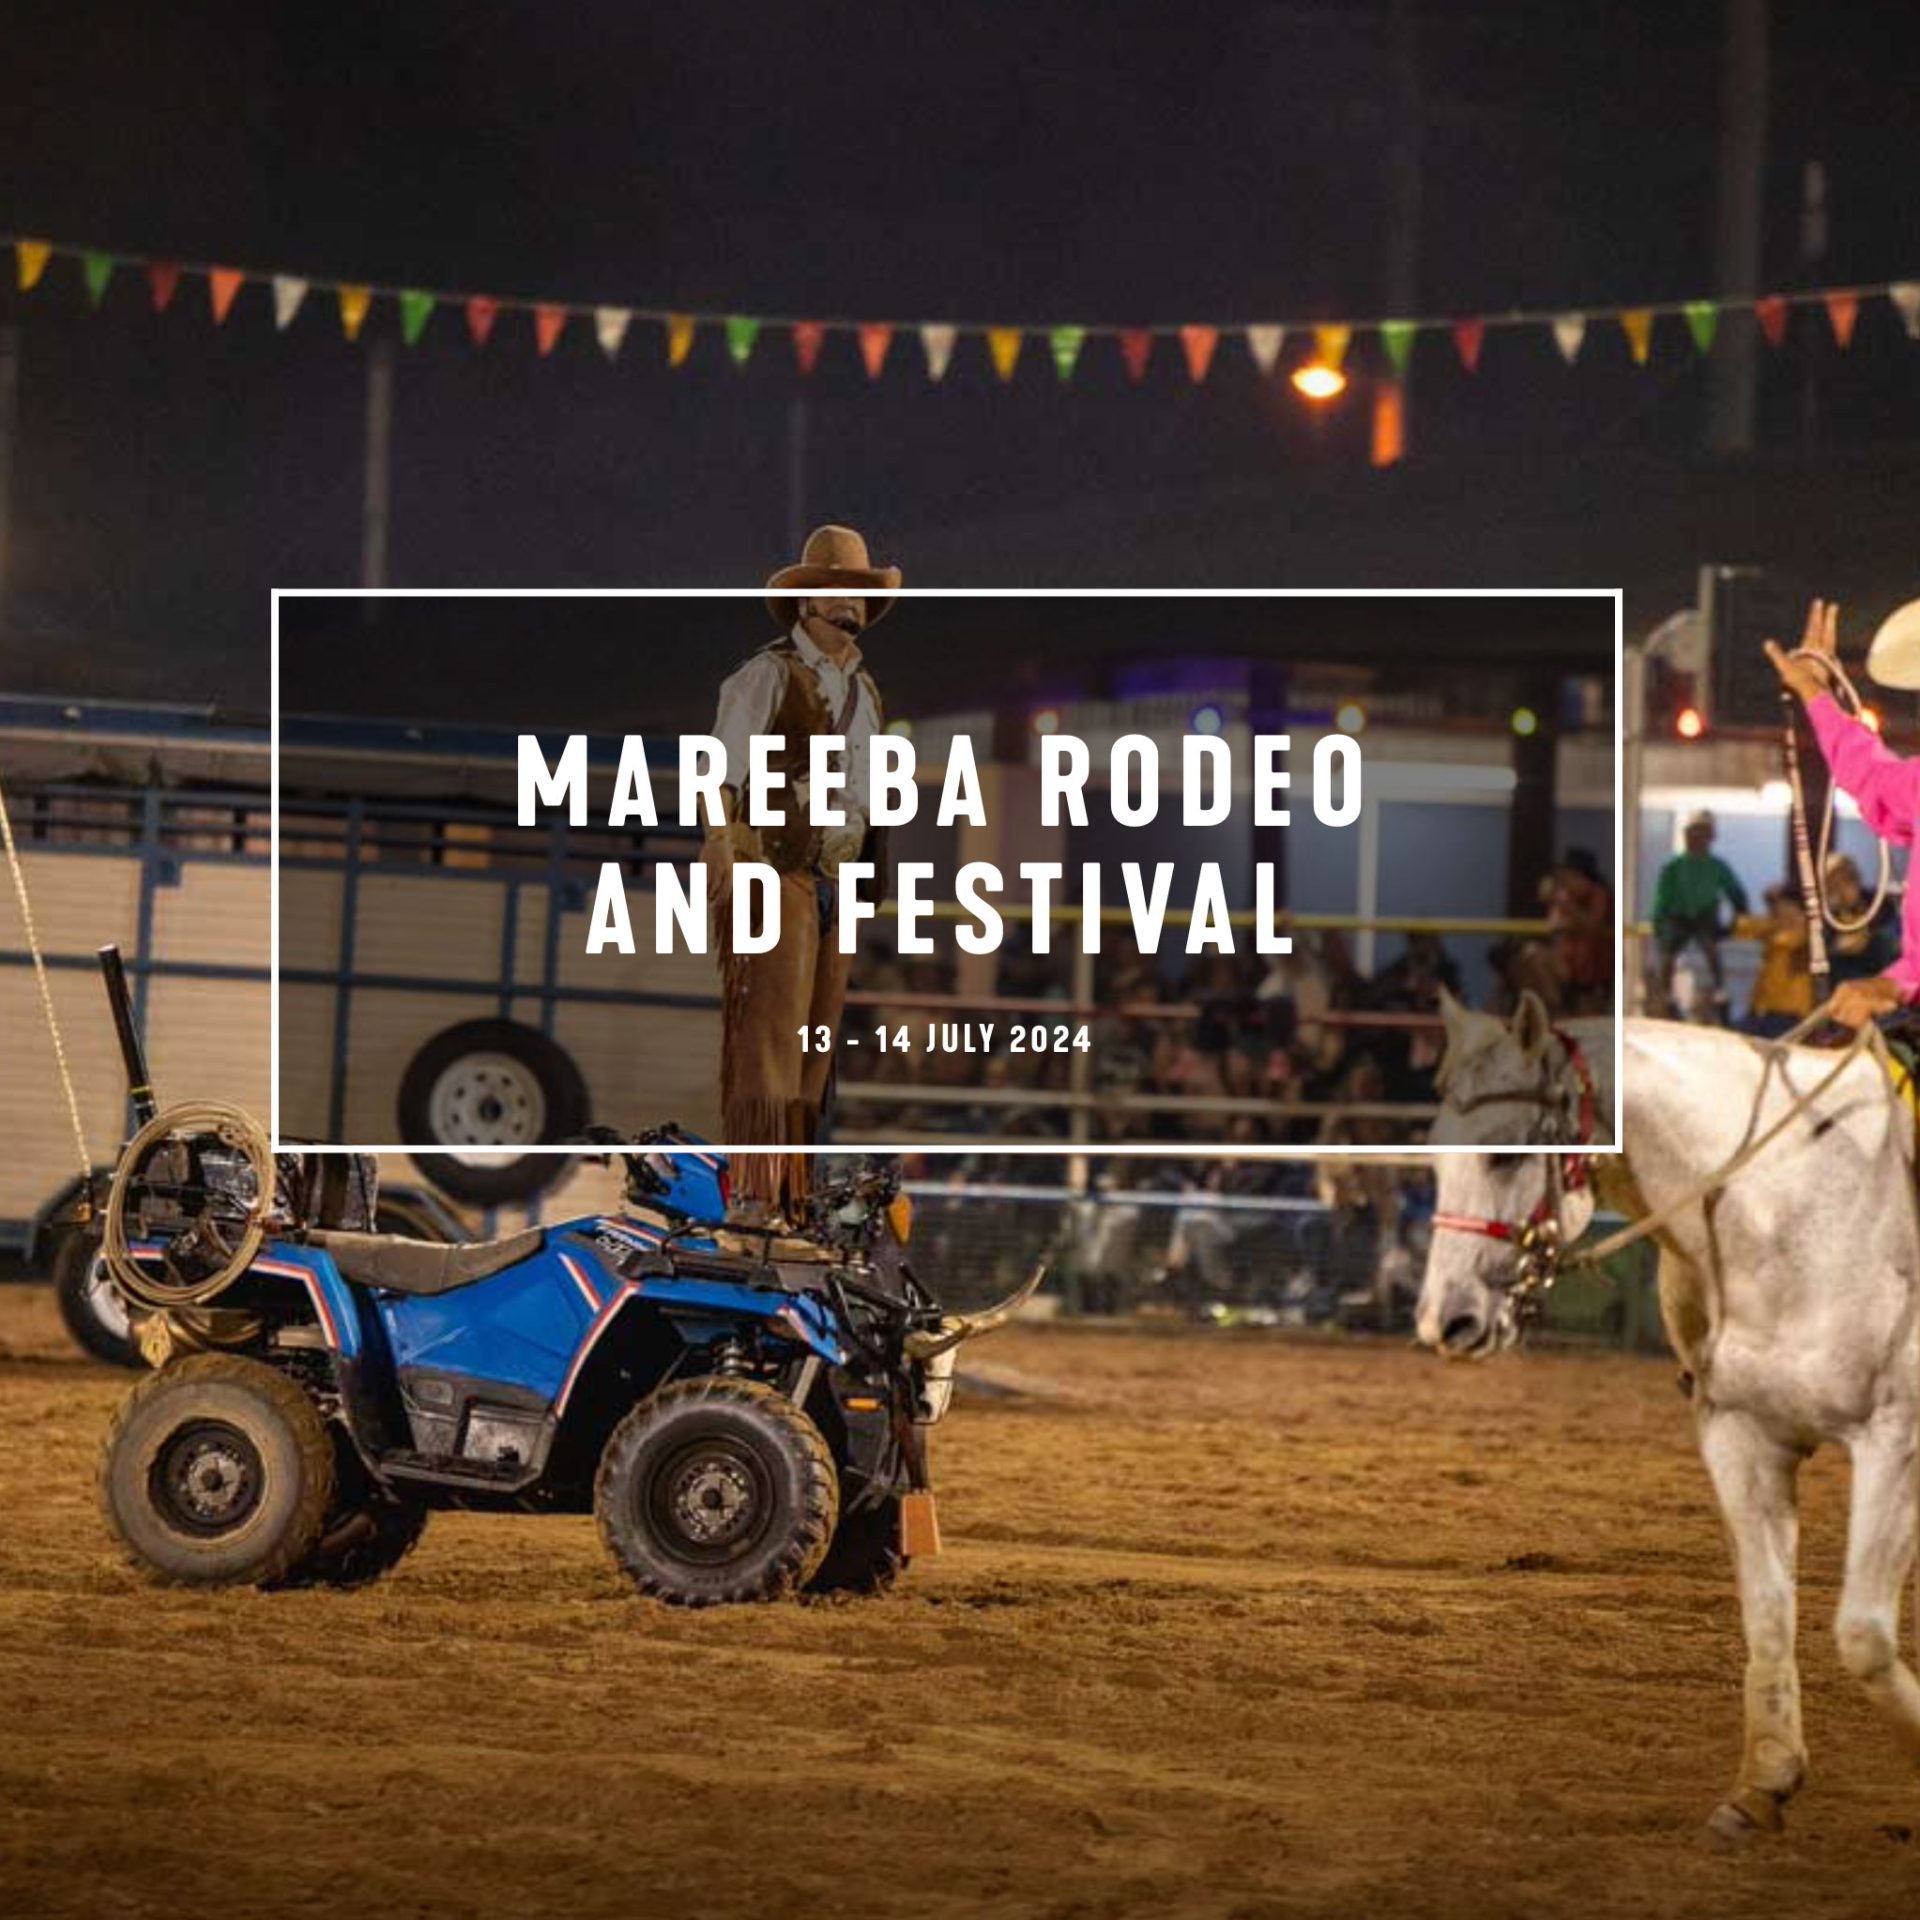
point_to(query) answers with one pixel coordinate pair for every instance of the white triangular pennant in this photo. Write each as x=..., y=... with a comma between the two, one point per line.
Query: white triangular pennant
x=937, y=344
x=287, y=295
x=610, y=328
x=1905, y=295
x=1568, y=332
x=1264, y=343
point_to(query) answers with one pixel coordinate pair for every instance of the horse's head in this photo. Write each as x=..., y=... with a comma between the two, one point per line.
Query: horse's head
x=1499, y=1216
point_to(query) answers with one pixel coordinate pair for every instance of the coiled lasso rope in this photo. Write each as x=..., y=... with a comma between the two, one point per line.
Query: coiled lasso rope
x=162, y=1287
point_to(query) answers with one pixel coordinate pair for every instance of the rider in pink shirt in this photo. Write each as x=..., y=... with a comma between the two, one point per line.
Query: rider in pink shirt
x=1886, y=789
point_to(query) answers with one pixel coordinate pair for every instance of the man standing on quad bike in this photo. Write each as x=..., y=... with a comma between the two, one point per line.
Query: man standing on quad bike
x=808, y=682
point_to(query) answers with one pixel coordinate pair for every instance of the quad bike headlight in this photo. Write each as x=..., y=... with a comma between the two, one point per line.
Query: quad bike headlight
x=900, y=1216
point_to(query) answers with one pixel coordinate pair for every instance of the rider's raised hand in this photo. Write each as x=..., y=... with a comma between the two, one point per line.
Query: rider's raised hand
x=1805, y=671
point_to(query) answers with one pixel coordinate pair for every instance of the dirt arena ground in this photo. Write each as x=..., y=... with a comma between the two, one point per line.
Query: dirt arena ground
x=1226, y=1627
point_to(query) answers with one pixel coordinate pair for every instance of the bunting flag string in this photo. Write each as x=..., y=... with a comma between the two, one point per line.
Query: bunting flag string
x=1069, y=347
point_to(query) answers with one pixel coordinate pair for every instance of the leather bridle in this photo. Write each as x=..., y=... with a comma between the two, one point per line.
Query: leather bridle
x=1538, y=1240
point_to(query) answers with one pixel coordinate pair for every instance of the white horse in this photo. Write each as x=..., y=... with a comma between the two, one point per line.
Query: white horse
x=1788, y=1291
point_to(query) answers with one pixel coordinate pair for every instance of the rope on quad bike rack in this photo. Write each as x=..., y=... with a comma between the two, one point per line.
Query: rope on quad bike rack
x=46, y=997
x=164, y=1288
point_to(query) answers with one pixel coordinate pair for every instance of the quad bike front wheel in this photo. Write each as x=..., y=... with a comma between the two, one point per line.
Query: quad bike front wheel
x=713, y=1491
x=217, y=1472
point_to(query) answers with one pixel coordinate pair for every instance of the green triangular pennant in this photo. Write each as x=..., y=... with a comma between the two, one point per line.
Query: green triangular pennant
x=1703, y=321
x=1066, y=343
x=98, y=269
x=416, y=309
x=1397, y=337
x=742, y=332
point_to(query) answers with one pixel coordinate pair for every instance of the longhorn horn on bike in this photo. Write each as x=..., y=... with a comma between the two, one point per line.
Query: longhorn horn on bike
x=929, y=1344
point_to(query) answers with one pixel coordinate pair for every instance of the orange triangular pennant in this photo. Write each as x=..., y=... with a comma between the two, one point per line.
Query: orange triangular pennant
x=875, y=339
x=223, y=288
x=680, y=327
x=33, y=257
x=1637, y=324
x=1003, y=343
x=1330, y=345
x=1843, y=309
x=547, y=324
x=1199, y=343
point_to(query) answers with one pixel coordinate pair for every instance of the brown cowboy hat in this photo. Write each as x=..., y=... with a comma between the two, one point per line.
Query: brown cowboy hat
x=832, y=557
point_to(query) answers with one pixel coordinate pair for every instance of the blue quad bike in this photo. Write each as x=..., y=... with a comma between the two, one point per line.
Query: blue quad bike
x=745, y=1414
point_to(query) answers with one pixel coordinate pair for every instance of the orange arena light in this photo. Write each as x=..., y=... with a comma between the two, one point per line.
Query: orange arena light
x=1688, y=724
x=1318, y=381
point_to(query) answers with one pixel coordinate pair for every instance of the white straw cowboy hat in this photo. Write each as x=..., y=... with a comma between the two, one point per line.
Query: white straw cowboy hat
x=1894, y=657
x=832, y=557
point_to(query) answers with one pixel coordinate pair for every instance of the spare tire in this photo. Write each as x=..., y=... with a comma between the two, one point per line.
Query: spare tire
x=491, y=1084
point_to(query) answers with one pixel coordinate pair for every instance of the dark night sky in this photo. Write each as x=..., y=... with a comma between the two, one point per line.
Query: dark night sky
x=608, y=666
x=1033, y=163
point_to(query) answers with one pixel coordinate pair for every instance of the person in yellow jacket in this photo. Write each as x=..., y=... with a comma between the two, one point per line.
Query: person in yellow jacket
x=1783, y=988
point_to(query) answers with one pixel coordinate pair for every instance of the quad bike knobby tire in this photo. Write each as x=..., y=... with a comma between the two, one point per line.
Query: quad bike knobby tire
x=91, y=1306
x=367, y=1531
x=217, y=1472
x=713, y=1491
x=865, y=1555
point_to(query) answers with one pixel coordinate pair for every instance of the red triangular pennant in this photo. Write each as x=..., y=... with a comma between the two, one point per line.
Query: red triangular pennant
x=875, y=339
x=547, y=322
x=809, y=336
x=1199, y=343
x=223, y=288
x=481, y=314
x=1468, y=338
x=1843, y=309
x=1136, y=343
x=1772, y=315
x=164, y=278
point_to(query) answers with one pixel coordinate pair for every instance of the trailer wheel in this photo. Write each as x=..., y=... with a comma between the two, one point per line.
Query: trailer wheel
x=90, y=1304
x=482, y=1089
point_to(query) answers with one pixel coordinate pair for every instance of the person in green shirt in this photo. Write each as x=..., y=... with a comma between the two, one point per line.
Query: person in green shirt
x=1686, y=905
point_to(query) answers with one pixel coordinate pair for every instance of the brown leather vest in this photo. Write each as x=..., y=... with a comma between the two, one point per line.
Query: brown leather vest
x=800, y=714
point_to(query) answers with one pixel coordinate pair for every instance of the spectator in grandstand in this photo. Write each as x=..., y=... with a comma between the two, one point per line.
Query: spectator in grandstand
x=1686, y=905
x=1412, y=985
x=1870, y=949
x=1783, y=988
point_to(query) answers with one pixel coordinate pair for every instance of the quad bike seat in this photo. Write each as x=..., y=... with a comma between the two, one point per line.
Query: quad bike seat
x=396, y=1264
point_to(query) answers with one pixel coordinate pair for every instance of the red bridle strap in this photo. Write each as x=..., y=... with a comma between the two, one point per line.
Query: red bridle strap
x=1576, y=1169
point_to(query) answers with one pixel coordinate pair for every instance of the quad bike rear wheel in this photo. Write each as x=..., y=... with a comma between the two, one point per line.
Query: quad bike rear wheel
x=865, y=1556
x=713, y=1491
x=217, y=1472
x=367, y=1532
